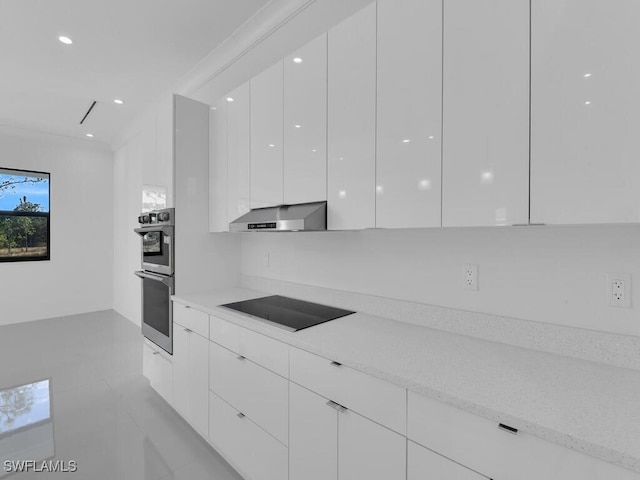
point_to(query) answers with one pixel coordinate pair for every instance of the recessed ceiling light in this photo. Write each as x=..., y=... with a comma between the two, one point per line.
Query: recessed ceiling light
x=297, y=60
x=118, y=101
x=90, y=135
x=271, y=145
x=587, y=75
x=65, y=40
x=229, y=99
x=298, y=125
x=588, y=102
x=406, y=140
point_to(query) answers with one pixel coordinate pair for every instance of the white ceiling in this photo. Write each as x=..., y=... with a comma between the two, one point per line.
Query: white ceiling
x=128, y=49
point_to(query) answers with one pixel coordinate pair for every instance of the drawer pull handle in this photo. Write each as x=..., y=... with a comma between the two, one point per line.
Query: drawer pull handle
x=156, y=353
x=187, y=330
x=508, y=429
x=241, y=415
x=336, y=364
x=240, y=357
x=337, y=406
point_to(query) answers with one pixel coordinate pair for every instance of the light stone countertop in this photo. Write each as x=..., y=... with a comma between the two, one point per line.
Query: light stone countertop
x=589, y=407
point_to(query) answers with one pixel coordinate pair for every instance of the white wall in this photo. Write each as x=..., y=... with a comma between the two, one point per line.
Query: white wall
x=547, y=274
x=78, y=278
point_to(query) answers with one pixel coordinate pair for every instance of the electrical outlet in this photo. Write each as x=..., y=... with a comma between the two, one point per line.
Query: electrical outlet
x=619, y=290
x=470, y=276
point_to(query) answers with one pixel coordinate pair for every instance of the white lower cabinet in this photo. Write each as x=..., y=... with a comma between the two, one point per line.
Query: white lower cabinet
x=376, y=399
x=423, y=464
x=276, y=412
x=258, y=393
x=191, y=377
x=499, y=453
x=157, y=366
x=254, y=453
x=328, y=441
x=369, y=451
x=313, y=436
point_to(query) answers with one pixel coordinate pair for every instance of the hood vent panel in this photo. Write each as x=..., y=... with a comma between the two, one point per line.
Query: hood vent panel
x=283, y=218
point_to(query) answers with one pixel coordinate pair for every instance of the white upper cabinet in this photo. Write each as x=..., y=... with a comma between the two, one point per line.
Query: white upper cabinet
x=165, y=147
x=352, y=122
x=485, y=113
x=238, y=151
x=218, y=157
x=585, y=156
x=408, y=164
x=305, y=123
x=267, y=138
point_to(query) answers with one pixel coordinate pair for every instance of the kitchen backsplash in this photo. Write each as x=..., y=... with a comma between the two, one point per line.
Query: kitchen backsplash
x=554, y=275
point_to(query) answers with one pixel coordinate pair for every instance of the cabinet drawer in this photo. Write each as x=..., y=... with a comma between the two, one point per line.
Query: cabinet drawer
x=255, y=454
x=425, y=464
x=224, y=333
x=265, y=351
x=157, y=366
x=258, y=393
x=191, y=318
x=481, y=445
x=376, y=399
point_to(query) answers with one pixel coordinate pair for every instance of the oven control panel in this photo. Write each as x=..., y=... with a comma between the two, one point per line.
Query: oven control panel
x=157, y=217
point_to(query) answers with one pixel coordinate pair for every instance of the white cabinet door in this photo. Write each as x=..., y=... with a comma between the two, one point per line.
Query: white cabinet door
x=369, y=451
x=181, y=370
x=352, y=122
x=486, y=113
x=254, y=453
x=218, y=157
x=165, y=146
x=191, y=377
x=423, y=464
x=238, y=151
x=199, y=383
x=408, y=163
x=266, y=137
x=584, y=111
x=313, y=436
x=305, y=123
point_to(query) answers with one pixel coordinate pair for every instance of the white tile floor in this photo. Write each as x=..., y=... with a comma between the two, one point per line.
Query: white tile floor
x=104, y=416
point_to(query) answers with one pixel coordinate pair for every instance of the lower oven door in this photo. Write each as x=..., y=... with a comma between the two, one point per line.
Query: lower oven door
x=157, y=317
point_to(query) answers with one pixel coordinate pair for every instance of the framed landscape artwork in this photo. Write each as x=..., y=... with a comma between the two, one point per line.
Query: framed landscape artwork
x=24, y=215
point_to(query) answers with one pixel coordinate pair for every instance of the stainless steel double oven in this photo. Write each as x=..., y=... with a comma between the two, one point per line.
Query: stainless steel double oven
x=157, y=274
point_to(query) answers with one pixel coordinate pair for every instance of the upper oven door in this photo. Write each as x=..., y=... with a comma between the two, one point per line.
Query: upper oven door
x=157, y=249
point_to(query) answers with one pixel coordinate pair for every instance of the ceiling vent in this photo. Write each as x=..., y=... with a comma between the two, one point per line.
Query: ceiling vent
x=88, y=112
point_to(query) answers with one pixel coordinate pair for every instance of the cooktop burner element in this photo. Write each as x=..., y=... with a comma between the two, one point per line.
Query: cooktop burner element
x=287, y=312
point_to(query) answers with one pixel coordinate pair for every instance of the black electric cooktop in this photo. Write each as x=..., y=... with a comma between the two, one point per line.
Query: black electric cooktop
x=287, y=312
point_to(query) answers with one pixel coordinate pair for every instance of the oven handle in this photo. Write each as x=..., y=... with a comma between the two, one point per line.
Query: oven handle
x=166, y=229
x=168, y=281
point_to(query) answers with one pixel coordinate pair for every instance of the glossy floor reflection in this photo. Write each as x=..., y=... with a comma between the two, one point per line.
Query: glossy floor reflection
x=71, y=389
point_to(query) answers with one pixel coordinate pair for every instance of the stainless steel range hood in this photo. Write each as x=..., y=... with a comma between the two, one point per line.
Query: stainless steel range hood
x=283, y=218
